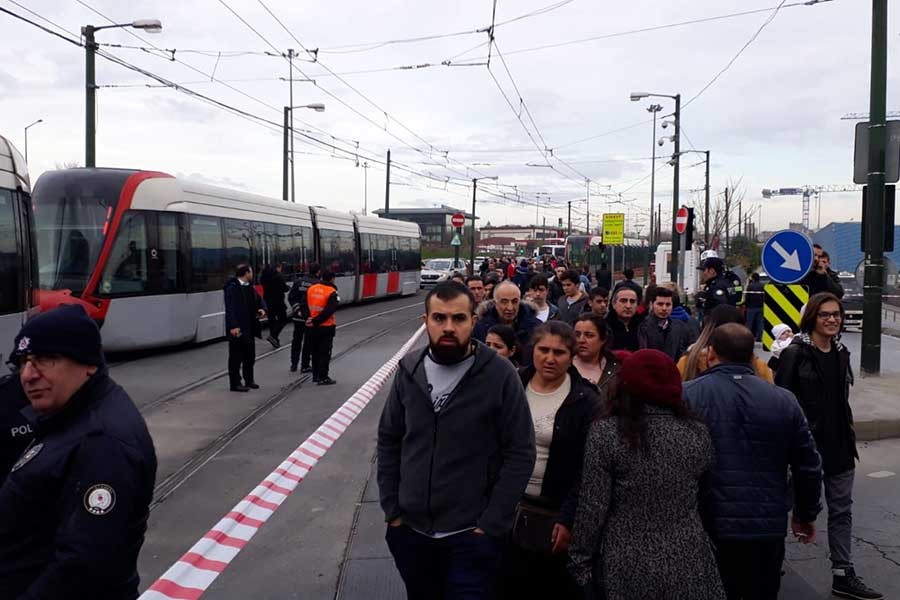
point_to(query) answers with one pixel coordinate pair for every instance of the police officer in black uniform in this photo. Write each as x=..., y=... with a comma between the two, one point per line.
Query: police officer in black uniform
x=716, y=289
x=74, y=508
x=15, y=430
x=299, y=314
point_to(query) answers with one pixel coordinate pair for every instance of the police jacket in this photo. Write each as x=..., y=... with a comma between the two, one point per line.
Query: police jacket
x=297, y=297
x=465, y=466
x=758, y=431
x=74, y=509
x=670, y=336
x=570, y=428
x=714, y=292
x=15, y=430
x=827, y=407
x=241, y=305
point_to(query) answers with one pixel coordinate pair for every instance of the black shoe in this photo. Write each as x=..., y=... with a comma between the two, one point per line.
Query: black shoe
x=293, y=368
x=330, y=381
x=253, y=386
x=306, y=370
x=274, y=341
x=240, y=388
x=846, y=584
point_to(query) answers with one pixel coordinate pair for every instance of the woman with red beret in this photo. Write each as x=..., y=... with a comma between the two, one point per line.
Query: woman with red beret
x=637, y=532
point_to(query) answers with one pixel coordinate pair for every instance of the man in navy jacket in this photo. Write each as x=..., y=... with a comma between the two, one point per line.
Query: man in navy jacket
x=759, y=430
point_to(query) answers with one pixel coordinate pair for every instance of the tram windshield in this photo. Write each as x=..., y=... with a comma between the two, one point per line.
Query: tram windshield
x=72, y=214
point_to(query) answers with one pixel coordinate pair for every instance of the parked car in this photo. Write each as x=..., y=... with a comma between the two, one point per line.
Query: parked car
x=437, y=270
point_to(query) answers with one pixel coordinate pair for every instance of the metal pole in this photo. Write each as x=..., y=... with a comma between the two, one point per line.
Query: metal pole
x=587, y=210
x=456, y=251
x=472, y=247
x=291, y=104
x=706, y=206
x=387, y=186
x=90, y=104
x=569, y=232
x=727, y=224
x=677, y=181
x=653, y=174
x=365, y=187
x=26, y=145
x=285, y=157
x=870, y=357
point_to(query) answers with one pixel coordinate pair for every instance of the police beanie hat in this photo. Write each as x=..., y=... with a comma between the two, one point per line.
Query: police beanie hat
x=66, y=330
x=652, y=377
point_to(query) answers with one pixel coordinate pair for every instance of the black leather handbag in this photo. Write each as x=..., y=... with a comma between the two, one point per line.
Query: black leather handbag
x=533, y=527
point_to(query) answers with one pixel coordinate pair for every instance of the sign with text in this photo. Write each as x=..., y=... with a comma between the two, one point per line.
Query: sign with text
x=614, y=229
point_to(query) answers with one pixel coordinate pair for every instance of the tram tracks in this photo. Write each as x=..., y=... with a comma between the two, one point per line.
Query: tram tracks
x=171, y=483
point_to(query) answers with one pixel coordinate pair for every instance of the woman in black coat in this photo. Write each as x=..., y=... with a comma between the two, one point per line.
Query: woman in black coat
x=563, y=405
x=816, y=368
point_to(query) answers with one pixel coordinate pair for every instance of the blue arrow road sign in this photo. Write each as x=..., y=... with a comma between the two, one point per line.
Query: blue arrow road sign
x=787, y=256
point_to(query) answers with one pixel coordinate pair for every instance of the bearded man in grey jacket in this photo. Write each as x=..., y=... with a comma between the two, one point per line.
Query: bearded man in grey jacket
x=455, y=451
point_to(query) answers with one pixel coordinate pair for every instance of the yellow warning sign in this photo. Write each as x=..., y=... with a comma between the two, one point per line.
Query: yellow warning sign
x=614, y=229
x=782, y=304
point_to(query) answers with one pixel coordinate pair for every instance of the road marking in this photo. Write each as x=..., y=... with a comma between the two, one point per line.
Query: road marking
x=881, y=474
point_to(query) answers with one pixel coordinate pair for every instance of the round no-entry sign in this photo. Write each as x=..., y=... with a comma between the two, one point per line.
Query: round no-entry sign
x=681, y=219
x=458, y=220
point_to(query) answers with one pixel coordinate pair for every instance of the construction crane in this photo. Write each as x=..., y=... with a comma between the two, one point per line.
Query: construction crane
x=806, y=192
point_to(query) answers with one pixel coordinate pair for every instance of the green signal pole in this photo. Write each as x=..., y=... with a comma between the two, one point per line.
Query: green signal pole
x=870, y=358
x=90, y=98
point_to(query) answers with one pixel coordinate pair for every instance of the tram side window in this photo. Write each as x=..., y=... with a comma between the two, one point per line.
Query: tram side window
x=10, y=273
x=409, y=257
x=284, y=251
x=384, y=252
x=126, y=267
x=169, y=254
x=238, y=243
x=338, y=251
x=207, y=254
x=367, y=263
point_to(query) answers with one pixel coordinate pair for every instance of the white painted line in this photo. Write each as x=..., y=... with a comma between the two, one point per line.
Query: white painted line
x=881, y=474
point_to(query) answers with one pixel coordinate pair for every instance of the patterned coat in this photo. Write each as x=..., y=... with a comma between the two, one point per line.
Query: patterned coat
x=638, y=533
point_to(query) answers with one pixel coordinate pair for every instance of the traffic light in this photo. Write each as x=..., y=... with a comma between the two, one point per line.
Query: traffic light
x=689, y=231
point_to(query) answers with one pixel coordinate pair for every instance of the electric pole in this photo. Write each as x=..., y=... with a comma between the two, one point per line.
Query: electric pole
x=387, y=186
x=290, y=56
x=90, y=98
x=286, y=156
x=870, y=357
x=676, y=239
x=706, y=206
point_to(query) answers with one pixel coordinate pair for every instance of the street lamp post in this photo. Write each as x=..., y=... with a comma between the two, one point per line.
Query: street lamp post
x=289, y=147
x=26, y=137
x=475, y=181
x=653, y=108
x=676, y=139
x=90, y=86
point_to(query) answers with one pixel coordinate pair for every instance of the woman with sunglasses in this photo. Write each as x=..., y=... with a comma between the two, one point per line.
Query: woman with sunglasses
x=816, y=368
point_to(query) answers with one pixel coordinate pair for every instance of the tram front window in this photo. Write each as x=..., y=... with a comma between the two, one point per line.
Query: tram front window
x=10, y=271
x=71, y=216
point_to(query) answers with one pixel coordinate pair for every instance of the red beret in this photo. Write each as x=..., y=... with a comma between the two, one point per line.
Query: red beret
x=651, y=376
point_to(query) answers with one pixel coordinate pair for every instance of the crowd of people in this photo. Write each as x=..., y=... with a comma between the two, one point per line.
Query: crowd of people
x=558, y=439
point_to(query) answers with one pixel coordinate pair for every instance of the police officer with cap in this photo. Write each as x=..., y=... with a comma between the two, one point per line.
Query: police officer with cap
x=74, y=508
x=715, y=286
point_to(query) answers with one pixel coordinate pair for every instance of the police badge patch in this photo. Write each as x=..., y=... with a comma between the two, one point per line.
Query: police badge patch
x=24, y=344
x=29, y=454
x=99, y=499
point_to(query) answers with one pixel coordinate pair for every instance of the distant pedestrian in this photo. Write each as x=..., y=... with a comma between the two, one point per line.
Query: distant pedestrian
x=680, y=312
x=694, y=362
x=572, y=304
x=538, y=290
x=593, y=358
x=458, y=278
x=638, y=533
x=300, y=345
x=659, y=331
x=598, y=302
x=476, y=286
x=243, y=310
x=604, y=276
x=274, y=290
x=508, y=309
x=522, y=276
x=323, y=301
x=502, y=340
x=759, y=431
x=753, y=302
x=623, y=319
x=74, y=508
x=449, y=501
x=628, y=281
x=816, y=367
x=15, y=430
x=563, y=405
x=821, y=278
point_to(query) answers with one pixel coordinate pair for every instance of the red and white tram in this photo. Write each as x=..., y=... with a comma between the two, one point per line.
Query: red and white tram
x=147, y=254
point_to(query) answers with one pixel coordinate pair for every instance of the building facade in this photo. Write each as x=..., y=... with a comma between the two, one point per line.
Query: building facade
x=434, y=223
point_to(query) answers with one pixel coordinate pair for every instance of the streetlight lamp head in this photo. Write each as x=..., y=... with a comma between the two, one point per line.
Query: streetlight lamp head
x=637, y=96
x=661, y=141
x=318, y=107
x=148, y=25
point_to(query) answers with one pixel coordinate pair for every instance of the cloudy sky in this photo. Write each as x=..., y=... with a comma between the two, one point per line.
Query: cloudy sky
x=771, y=119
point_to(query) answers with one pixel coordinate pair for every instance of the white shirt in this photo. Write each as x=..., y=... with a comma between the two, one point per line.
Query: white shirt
x=544, y=314
x=543, y=407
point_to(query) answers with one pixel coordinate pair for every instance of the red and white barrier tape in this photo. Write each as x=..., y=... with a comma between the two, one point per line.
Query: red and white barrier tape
x=194, y=572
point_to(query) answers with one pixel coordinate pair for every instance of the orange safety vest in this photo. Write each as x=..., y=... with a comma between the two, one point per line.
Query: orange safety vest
x=317, y=298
